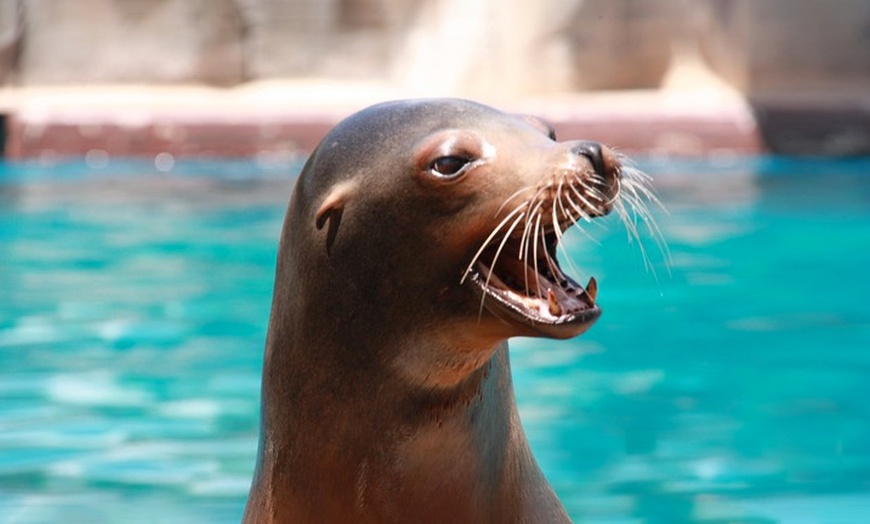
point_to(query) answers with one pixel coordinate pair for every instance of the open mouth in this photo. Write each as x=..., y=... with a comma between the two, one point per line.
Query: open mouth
x=524, y=285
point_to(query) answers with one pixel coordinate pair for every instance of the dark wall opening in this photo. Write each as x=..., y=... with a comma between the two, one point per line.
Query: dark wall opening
x=828, y=127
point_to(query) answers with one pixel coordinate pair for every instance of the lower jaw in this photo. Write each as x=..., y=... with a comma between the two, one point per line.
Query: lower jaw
x=528, y=327
x=521, y=324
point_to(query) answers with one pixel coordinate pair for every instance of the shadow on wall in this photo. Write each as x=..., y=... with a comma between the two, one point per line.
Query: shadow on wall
x=11, y=24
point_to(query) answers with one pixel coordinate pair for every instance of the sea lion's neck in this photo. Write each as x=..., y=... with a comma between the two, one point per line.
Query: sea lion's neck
x=362, y=442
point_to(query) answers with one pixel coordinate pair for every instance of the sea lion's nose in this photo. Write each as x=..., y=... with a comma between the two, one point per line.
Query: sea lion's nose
x=599, y=156
x=607, y=169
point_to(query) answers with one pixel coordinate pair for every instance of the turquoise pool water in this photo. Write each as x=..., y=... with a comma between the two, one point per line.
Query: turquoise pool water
x=732, y=386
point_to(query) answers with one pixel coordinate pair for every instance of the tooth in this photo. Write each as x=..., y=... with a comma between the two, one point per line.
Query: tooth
x=592, y=288
x=555, y=307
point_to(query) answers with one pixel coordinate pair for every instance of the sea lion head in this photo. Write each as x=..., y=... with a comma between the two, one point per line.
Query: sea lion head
x=441, y=218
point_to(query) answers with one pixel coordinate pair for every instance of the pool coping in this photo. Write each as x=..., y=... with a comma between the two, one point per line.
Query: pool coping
x=287, y=119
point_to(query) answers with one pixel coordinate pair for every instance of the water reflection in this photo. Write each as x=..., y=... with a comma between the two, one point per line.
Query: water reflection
x=728, y=387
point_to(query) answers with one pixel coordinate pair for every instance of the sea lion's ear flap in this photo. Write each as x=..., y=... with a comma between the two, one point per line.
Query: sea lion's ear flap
x=331, y=210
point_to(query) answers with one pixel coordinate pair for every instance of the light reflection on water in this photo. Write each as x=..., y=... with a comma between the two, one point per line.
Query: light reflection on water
x=728, y=387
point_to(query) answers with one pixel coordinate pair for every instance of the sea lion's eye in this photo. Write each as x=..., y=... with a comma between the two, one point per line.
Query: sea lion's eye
x=449, y=166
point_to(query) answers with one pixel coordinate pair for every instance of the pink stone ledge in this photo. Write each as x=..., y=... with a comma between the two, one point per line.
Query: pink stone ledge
x=289, y=121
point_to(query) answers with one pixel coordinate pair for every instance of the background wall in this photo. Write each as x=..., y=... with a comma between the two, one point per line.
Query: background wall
x=468, y=46
x=801, y=67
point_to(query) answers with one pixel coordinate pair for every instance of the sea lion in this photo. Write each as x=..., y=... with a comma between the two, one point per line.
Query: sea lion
x=420, y=236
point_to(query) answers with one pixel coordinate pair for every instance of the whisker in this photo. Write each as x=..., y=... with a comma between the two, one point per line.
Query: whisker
x=587, y=219
x=597, y=180
x=508, y=199
x=551, y=264
x=583, y=200
x=501, y=246
x=594, y=179
x=631, y=206
x=597, y=194
x=582, y=213
x=492, y=235
x=643, y=183
x=557, y=228
x=535, y=253
x=524, y=245
x=577, y=209
x=638, y=192
x=555, y=209
x=529, y=212
x=560, y=234
x=504, y=240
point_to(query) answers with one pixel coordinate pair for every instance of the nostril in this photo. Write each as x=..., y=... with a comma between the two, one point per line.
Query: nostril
x=592, y=151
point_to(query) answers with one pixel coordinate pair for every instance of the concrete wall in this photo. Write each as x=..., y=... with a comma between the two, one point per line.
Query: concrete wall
x=466, y=46
x=791, y=46
x=159, y=41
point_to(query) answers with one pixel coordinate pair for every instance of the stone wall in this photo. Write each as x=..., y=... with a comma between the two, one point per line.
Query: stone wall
x=511, y=47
